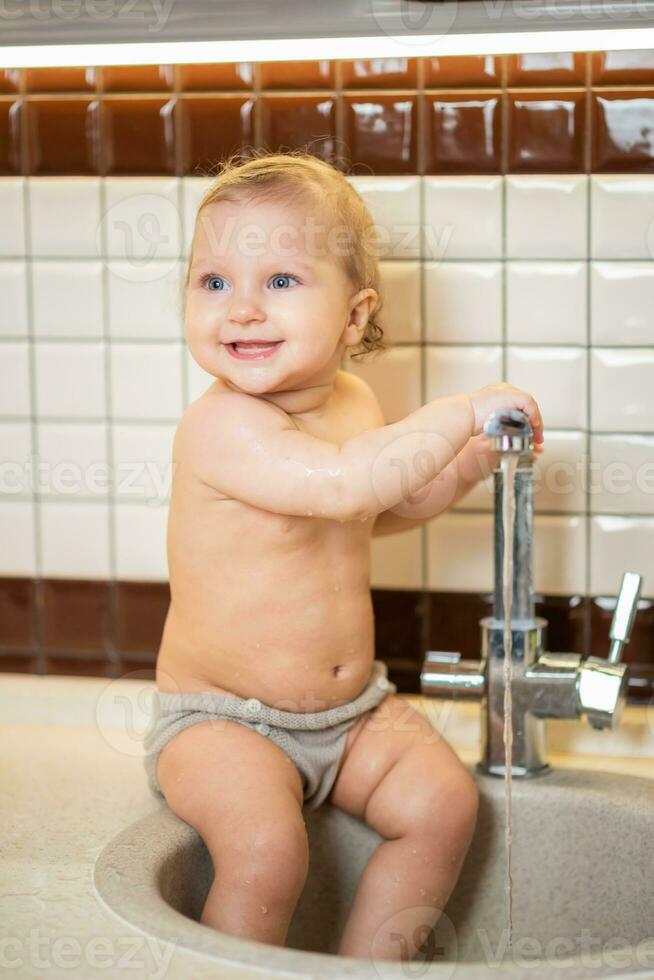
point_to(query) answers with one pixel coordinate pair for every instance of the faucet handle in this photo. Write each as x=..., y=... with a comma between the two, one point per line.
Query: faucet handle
x=445, y=675
x=623, y=617
x=509, y=431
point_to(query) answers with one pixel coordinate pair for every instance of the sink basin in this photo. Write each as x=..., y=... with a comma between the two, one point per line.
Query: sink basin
x=583, y=888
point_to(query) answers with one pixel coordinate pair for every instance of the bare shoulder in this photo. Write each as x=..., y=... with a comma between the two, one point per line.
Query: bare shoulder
x=222, y=414
x=364, y=392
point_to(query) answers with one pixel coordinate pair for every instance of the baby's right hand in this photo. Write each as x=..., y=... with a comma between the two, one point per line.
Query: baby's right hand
x=501, y=396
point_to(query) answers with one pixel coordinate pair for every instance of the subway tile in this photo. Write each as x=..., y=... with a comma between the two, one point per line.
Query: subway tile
x=400, y=316
x=546, y=68
x=395, y=378
x=148, y=309
x=546, y=302
x=141, y=609
x=11, y=125
x=63, y=136
x=463, y=302
x=452, y=370
x=68, y=79
x=618, y=545
x=12, y=228
x=296, y=74
x=396, y=560
x=560, y=473
x=197, y=379
x=622, y=303
x=18, y=552
x=622, y=217
x=142, y=457
x=17, y=613
x=622, y=395
x=67, y=298
x=381, y=132
x=73, y=458
x=216, y=77
x=9, y=80
x=290, y=122
x=546, y=132
x=15, y=463
x=138, y=78
x=140, y=542
x=463, y=217
x=460, y=553
x=481, y=495
x=559, y=554
x=138, y=135
x=556, y=377
x=64, y=216
x=15, y=374
x=76, y=616
x=463, y=133
x=473, y=71
x=75, y=540
x=211, y=129
x=13, y=298
x=623, y=131
x=623, y=67
x=622, y=474
x=146, y=381
x=193, y=190
x=380, y=73
x=546, y=217
x=142, y=221
x=70, y=379
x=394, y=203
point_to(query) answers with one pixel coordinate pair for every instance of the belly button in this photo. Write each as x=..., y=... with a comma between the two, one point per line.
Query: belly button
x=338, y=669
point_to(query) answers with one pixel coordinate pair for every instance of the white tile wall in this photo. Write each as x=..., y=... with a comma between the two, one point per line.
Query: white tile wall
x=546, y=282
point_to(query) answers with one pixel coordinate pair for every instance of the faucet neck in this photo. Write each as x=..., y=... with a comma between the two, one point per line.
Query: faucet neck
x=523, y=533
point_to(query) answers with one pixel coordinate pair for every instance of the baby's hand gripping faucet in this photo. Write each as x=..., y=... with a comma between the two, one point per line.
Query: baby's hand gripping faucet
x=545, y=685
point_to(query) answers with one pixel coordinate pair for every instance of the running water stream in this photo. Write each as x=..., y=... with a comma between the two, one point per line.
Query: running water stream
x=509, y=464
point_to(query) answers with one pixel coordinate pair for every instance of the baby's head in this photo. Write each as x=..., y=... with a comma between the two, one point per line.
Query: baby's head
x=283, y=250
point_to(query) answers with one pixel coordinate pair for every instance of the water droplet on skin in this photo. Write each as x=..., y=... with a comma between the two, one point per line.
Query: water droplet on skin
x=337, y=588
x=309, y=513
x=258, y=645
x=247, y=881
x=422, y=891
x=413, y=850
x=264, y=909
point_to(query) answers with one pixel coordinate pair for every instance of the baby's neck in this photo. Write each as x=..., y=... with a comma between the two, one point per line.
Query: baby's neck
x=310, y=401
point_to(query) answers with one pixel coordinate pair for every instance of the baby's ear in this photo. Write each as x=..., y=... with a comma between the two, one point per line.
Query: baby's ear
x=363, y=305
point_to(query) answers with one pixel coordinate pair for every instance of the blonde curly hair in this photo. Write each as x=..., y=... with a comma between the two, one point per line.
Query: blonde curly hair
x=298, y=176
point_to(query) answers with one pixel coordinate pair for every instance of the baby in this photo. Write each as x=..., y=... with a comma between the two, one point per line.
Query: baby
x=268, y=694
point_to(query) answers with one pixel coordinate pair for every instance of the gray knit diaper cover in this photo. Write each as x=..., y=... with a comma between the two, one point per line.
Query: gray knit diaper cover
x=314, y=741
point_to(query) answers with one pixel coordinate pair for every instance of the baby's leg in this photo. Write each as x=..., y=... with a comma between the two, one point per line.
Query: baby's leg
x=403, y=779
x=243, y=795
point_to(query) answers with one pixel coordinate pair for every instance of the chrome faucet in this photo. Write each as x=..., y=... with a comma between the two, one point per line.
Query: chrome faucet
x=544, y=685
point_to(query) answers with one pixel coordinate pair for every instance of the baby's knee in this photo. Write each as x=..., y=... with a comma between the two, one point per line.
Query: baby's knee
x=272, y=858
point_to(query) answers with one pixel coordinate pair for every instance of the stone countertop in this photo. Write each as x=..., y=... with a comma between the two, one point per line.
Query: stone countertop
x=73, y=778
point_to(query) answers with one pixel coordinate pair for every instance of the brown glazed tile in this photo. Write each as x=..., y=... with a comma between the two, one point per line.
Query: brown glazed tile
x=17, y=613
x=144, y=666
x=568, y=622
x=141, y=609
x=9, y=80
x=546, y=132
x=638, y=653
x=381, y=132
x=138, y=78
x=622, y=67
x=546, y=69
x=212, y=129
x=216, y=77
x=11, y=157
x=463, y=133
x=454, y=622
x=29, y=663
x=82, y=666
x=398, y=635
x=296, y=74
x=63, y=136
x=292, y=122
x=76, y=616
x=138, y=136
x=623, y=131
x=380, y=73
x=60, y=79
x=476, y=71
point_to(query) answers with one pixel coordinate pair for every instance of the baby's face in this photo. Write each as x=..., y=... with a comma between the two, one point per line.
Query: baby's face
x=258, y=274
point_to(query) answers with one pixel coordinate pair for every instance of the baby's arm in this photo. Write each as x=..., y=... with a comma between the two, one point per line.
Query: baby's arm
x=251, y=450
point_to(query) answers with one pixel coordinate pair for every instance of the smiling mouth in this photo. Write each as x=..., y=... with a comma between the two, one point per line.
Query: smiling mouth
x=252, y=351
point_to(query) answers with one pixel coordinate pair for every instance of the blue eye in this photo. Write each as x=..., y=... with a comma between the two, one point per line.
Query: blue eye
x=283, y=275
x=208, y=279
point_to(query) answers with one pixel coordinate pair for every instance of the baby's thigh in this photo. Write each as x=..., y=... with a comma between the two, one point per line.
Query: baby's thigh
x=241, y=793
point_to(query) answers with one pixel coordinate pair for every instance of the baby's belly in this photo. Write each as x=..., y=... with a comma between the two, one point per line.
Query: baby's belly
x=301, y=659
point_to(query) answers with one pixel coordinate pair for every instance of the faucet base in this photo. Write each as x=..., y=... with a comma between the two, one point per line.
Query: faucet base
x=518, y=771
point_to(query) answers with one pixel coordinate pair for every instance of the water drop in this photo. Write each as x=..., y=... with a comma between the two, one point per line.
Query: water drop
x=309, y=513
x=337, y=588
x=264, y=909
x=413, y=850
x=247, y=881
x=258, y=645
x=422, y=891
